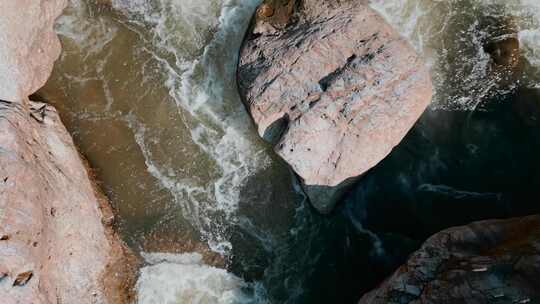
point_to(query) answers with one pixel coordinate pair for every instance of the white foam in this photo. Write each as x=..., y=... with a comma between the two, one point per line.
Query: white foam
x=90, y=35
x=460, y=74
x=196, y=42
x=530, y=42
x=183, y=279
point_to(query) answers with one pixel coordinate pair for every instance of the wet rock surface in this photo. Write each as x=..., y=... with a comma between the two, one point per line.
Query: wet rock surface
x=495, y=261
x=334, y=88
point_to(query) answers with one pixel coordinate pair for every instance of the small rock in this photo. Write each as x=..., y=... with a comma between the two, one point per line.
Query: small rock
x=23, y=278
x=108, y=221
x=4, y=237
x=265, y=11
x=413, y=290
x=504, y=51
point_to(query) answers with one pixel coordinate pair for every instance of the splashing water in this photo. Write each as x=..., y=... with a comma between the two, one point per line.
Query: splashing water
x=186, y=279
x=147, y=88
x=452, y=36
x=192, y=48
x=204, y=86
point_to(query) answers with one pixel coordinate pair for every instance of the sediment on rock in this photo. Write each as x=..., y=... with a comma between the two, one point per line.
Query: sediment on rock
x=333, y=87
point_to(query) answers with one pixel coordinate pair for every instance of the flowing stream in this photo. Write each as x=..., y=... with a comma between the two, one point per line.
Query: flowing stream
x=148, y=90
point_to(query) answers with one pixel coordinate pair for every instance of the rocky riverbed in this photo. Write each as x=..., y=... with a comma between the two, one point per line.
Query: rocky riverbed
x=397, y=120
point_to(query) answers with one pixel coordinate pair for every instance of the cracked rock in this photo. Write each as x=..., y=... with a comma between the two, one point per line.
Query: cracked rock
x=439, y=272
x=23, y=278
x=348, y=84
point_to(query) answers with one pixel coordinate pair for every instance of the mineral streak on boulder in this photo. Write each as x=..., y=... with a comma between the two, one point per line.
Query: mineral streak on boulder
x=494, y=261
x=335, y=89
x=54, y=247
x=28, y=45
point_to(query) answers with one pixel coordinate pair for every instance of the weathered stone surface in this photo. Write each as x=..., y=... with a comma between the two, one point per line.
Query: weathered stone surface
x=58, y=251
x=54, y=247
x=28, y=45
x=334, y=87
x=494, y=261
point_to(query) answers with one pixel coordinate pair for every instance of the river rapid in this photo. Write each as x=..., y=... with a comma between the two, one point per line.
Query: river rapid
x=148, y=90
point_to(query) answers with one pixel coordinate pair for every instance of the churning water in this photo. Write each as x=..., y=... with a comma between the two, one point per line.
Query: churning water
x=147, y=88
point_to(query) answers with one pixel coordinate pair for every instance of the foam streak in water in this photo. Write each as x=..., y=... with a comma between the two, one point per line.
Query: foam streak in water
x=452, y=39
x=203, y=85
x=182, y=279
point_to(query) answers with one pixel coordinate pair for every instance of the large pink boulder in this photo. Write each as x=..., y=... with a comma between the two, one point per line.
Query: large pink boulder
x=334, y=90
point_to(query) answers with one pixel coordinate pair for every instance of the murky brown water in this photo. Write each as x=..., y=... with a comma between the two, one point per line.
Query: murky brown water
x=115, y=97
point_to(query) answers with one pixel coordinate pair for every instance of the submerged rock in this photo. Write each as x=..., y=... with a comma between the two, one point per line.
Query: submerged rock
x=504, y=51
x=335, y=88
x=54, y=247
x=495, y=261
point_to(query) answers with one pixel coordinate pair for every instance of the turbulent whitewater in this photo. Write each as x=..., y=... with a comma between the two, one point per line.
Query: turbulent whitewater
x=452, y=37
x=148, y=90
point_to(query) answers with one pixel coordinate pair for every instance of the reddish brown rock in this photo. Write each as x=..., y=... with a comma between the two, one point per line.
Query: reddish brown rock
x=54, y=247
x=335, y=91
x=494, y=261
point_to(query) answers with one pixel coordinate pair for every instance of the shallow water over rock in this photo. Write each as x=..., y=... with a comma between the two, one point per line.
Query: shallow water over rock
x=147, y=89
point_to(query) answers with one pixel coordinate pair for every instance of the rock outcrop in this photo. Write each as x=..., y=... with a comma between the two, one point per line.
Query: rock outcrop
x=28, y=45
x=56, y=242
x=333, y=87
x=495, y=261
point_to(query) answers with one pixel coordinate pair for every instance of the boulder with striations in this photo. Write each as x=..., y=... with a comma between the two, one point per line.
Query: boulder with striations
x=333, y=87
